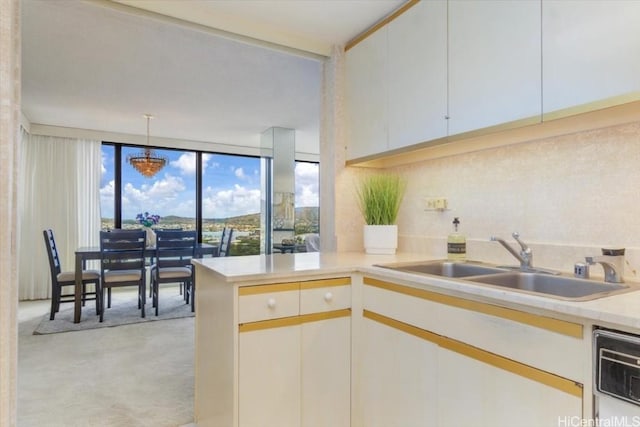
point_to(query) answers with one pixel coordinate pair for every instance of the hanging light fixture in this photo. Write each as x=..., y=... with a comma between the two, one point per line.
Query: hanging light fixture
x=147, y=162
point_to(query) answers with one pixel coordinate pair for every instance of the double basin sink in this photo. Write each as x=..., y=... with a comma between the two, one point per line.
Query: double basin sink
x=535, y=282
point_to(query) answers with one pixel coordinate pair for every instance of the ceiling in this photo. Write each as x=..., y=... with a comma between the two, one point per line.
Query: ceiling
x=214, y=71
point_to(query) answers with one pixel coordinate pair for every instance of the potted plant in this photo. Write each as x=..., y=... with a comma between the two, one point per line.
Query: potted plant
x=379, y=198
x=147, y=221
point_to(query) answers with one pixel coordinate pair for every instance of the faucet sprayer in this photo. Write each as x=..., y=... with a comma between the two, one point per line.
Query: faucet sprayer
x=612, y=261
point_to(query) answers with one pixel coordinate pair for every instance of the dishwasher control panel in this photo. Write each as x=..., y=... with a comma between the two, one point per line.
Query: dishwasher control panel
x=617, y=364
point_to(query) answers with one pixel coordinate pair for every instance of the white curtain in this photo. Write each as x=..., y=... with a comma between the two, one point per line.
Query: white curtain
x=59, y=189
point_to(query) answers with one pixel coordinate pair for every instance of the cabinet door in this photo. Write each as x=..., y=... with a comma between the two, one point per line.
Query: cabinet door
x=418, y=74
x=494, y=63
x=398, y=373
x=269, y=377
x=366, y=89
x=326, y=373
x=590, y=51
x=472, y=392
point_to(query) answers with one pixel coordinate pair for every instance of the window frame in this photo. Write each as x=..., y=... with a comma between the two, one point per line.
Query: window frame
x=199, y=181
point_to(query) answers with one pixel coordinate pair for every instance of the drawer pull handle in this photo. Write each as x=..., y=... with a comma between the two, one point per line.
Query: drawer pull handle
x=328, y=296
x=271, y=303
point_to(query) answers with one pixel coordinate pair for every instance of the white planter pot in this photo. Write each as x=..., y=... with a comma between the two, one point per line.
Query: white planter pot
x=380, y=239
x=151, y=237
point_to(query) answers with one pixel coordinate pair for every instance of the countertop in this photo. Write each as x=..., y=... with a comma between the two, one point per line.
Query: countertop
x=622, y=310
x=283, y=266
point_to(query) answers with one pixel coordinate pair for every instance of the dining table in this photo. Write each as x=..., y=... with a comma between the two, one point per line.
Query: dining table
x=86, y=253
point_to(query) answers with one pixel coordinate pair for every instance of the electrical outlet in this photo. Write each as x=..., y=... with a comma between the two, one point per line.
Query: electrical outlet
x=436, y=204
x=441, y=204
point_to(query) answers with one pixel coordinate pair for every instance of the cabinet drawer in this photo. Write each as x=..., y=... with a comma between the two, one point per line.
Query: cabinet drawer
x=268, y=302
x=533, y=340
x=325, y=295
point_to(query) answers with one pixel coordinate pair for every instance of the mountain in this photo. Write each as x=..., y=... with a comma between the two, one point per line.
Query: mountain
x=304, y=215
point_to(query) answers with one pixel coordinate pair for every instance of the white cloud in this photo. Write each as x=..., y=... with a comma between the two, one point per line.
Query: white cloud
x=186, y=163
x=205, y=161
x=306, y=196
x=307, y=170
x=231, y=202
x=107, y=197
x=108, y=190
x=239, y=173
x=307, y=184
x=164, y=195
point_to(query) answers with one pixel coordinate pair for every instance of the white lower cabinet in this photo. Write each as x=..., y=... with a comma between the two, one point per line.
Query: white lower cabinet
x=326, y=373
x=471, y=392
x=280, y=355
x=297, y=375
x=269, y=377
x=398, y=371
x=412, y=376
x=274, y=354
x=295, y=371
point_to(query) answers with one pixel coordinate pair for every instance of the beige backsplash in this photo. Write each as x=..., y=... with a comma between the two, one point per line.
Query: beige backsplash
x=567, y=196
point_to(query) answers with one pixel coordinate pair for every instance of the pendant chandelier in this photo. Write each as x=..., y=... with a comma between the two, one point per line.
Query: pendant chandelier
x=147, y=162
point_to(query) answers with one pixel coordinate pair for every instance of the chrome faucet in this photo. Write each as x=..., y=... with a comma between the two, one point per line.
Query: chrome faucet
x=525, y=256
x=612, y=261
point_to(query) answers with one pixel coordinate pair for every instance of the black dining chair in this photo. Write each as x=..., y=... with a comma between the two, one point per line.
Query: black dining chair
x=225, y=242
x=122, y=263
x=61, y=279
x=151, y=270
x=174, y=252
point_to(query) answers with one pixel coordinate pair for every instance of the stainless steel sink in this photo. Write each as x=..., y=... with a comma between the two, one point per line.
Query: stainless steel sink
x=562, y=287
x=446, y=268
x=534, y=282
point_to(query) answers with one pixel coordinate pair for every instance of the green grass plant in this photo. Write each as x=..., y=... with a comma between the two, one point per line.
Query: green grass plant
x=379, y=198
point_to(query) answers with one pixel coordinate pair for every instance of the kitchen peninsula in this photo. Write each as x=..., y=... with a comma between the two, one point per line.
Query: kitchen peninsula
x=317, y=339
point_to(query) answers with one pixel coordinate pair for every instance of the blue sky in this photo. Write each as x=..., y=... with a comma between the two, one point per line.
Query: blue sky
x=231, y=185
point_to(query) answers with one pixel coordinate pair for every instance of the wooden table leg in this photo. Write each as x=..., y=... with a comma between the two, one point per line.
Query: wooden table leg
x=77, y=302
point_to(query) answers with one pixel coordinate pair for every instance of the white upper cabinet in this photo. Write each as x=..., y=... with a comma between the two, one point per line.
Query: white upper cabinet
x=417, y=82
x=494, y=63
x=488, y=63
x=591, y=53
x=366, y=83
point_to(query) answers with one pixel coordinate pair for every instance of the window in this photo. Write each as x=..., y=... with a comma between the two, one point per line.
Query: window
x=307, y=201
x=107, y=187
x=231, y=198
x=171, y=193
x=228, y=195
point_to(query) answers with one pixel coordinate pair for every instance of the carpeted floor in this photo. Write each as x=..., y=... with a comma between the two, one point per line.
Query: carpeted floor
x=124, y=310
x=139, y=374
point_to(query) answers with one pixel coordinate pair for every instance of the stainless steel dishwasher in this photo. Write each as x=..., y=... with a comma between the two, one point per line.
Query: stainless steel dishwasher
x=617, y=377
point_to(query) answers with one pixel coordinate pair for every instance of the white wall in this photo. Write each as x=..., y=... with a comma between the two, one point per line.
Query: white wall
x=10, y=90
x=567, y=196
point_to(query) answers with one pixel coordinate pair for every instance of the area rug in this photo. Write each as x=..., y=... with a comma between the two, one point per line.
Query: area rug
x=124, y=311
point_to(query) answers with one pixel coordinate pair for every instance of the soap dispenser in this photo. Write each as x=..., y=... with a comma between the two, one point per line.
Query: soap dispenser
x=456, y=244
